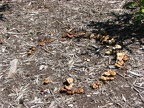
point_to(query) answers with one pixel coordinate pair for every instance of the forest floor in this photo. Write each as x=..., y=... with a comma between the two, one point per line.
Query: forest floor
x=44, y=42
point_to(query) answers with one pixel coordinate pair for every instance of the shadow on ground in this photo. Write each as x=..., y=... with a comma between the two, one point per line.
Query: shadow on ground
x=3, y=8
x=120, y=27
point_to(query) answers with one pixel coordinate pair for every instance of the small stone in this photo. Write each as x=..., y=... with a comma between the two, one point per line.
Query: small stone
x=86, y=59
x=70, y=105
x=88, y=95
x=42, y=67
x=3, y=48
x=111, y=66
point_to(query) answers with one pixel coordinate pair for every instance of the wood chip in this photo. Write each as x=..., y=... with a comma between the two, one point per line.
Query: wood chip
x=13, y=68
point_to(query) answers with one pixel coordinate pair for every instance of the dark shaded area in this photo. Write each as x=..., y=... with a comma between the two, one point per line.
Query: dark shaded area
x=121, y=27
x=3, y=8
x=2, y=18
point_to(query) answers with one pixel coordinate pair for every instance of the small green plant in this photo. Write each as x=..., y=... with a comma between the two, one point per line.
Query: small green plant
x=139, y=5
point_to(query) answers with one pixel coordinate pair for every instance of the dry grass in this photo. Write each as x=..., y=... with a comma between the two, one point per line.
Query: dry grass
x=28, y=21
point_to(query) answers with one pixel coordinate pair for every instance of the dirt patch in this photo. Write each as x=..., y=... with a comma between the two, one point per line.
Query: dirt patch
x=26, y=23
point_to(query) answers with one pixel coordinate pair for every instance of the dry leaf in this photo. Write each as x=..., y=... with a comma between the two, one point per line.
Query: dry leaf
x=81, y=33
x=42, y=42
x=108, y=52
x=112, y=41
x=69, y=87
x=70, y=92
x=112, y=73
x=125, y=58
x=104, y=78
x=99, y=83
x=92, y=36
x=117, y=47
x=63, y=90
x=109, y=73
x=106, y=74
x=70, y=34
x=105, y=38
x=94, y=86
x=110, y=78
x=120, y=55
x=119, y=63
x=79, y=90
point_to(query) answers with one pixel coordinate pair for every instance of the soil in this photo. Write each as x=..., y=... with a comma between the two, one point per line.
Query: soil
x=25, y=23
